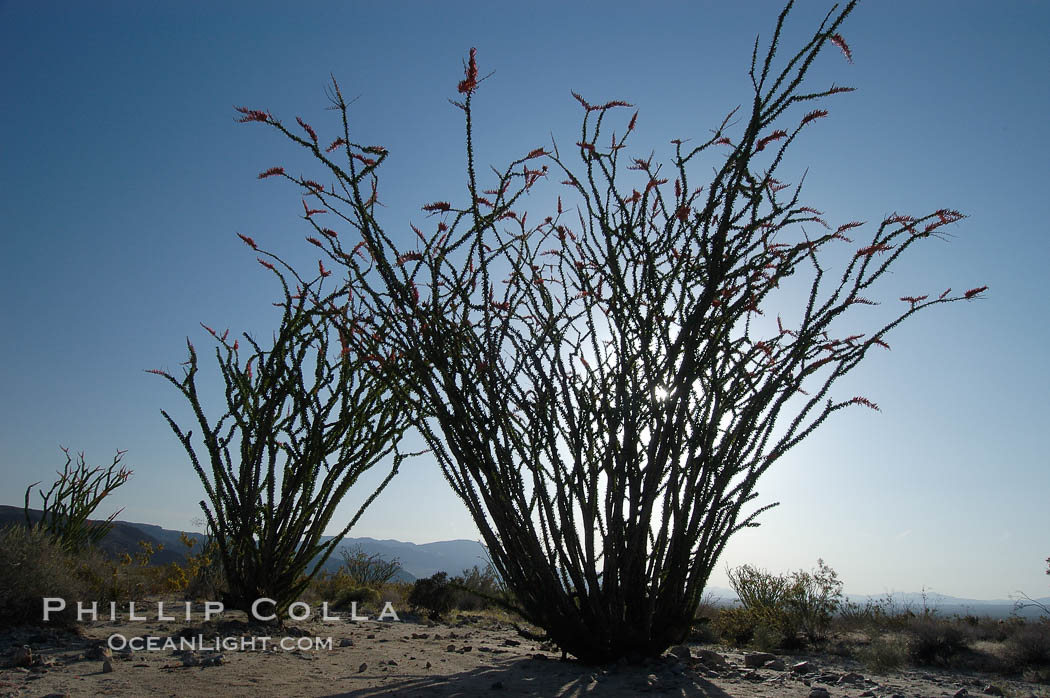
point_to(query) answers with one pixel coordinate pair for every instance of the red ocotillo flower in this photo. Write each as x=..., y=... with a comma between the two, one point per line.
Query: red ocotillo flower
x=271, y=172
x=815, y=114
x=586, y=105
x=309, y=129
x=335, y=144
x=252, y=115
x=266, y=264
x=438, y=206
x=775, y=136
x=914, y=299
x=634, y=120
x=872, y=249
x=864, y=401
x=324, y=272
x=841, y=43
x=409, y=257
x=974, y=291
x=470, y=81
x=248, y=241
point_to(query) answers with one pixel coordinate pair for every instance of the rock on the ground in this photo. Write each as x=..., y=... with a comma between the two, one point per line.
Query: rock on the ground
x=754, y=660
x=711, y=658
x=680, y=651
x=23, y=656
x=801, y=668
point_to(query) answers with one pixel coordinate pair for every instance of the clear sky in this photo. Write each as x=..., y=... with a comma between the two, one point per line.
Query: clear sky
x=124, y=180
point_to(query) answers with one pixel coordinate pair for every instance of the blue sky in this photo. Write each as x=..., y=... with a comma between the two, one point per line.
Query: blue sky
x=125, y=179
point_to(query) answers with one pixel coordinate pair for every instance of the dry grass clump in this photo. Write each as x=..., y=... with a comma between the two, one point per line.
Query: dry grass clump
x=34, y=566
x=884, y=653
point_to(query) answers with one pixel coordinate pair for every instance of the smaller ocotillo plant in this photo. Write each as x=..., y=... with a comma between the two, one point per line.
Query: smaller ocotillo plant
x=303, y=421
x=73, y=497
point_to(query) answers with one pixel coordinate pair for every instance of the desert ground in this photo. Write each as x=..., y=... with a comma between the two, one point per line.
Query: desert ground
x=474, y=655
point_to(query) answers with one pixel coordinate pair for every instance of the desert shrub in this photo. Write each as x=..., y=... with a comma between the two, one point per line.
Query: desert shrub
x=874, y=614
x=395, y=593
x=758, y=588
x=477, y=589
x=131, y=577
x=787, y=610
x=934, y=640
x=734, y=626
x=812, y=600
x=361, y=596
x=336, y=588
x=884, y=654
x=703, y=630
x=32, y=566
x=368, y=570
x=1029, y=646
x=432, y=596
x=202, y=575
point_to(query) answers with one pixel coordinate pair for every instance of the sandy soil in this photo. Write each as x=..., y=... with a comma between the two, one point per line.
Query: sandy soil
x=476, y=656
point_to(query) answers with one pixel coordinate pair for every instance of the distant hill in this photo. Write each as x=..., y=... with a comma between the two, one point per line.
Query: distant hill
x=417, y=561
x=124, y=537
x=423, y=560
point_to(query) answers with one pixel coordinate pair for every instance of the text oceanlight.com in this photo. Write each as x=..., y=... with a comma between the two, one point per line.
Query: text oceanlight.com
x=138, y=643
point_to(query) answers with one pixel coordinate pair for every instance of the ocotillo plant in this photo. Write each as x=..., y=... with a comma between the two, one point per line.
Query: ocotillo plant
x=73, y=497
x=604, y=390
x=303, y=422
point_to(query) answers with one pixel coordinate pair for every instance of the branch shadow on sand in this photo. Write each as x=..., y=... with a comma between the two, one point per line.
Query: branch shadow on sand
x=530, y=677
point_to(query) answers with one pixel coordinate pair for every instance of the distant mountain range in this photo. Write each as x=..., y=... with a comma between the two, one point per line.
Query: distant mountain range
x=452, y=556
x=455, y=556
